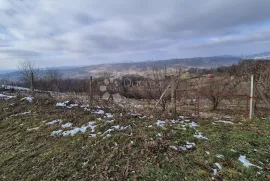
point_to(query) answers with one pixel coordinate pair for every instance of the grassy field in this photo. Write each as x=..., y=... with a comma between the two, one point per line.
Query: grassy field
x=131, y=147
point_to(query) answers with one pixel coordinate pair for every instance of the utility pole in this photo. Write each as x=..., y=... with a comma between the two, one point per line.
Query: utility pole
x=90, y=98
x=251, y=108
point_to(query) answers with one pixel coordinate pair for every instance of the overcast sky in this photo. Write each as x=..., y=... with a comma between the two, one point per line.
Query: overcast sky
x=84, y=32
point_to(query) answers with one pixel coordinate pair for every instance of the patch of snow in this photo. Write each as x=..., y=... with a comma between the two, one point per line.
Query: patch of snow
x=193, y=124
x=32, y=129
x=160, y=123
x=108, y=122
x=214, y=172
x=219, y=156
x=20, y=114
x=226, y=122
x=54, y=122
x=84, y=106
x=60, y=104
x=72, y=105
x=207, y=152
x=84, y=164
x=182, y=117
x=99, y=112
x=159, y=134
x=118, y=127
x=92, y=135
x=200, y=136
x=28, y=99
x=189, y=145
x=109, y=115
x=182, y=148
x=55, y=133
x=67, y=125
x=74, y=131
x=173, y=148
x=150, y=126
x=245, y=162
x=9, y=87
x=5, y=97
x=218, y=165
x=175, y=121
x=77, y=129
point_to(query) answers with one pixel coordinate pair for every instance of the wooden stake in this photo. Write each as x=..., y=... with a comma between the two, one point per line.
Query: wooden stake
x=32, y=83
x=173, y=87
x=90, y=98
x=251, y=110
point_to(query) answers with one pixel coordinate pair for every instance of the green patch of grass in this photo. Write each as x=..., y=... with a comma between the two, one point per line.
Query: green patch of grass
x=35, y=155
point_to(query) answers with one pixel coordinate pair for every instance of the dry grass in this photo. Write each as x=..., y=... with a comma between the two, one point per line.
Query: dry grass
x=140, y=154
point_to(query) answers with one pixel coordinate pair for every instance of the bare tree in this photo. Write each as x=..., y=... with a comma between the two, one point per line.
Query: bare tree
x=53, y=77
x=29, y=72
x=215, y=89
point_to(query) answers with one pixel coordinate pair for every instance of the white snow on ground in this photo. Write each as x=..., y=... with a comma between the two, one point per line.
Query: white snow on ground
x=66, y=104
x=67, y=125
x=54, y=122
x=5, y=97
x=75, y=130
x=189, y=145
x=55, y=133
x=174, y=148
x=99, y=112
x=63, y=104
x=200, y=136
x=28, y=99
x=20, y=114
x=160, y=123
x=9, y=87
x=207, y=152
x=214, y=172
x=32, y=129
x=245, y=162
x=109, y=121
x=118, y=127
x=92, y=135
x=219, y=156
x=218, y=165
x=115, y=128
x=226, y=122
x=150, y=126
x=109, y=115
x=60, y=104
x=193, y=124
x=182, y=117
x=72, y=105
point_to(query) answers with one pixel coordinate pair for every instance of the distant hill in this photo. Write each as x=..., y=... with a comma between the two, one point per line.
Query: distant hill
x=139, y=67
x=142, y=67
x=261, y=56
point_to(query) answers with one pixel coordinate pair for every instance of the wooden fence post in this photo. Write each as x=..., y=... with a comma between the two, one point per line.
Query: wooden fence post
x=173, y=87
x=32, y=83
x=90, y=96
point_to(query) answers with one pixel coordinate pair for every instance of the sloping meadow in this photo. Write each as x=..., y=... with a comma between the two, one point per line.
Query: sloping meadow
x=43, y=141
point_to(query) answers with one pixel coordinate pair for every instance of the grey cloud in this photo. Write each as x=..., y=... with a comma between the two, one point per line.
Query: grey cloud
x=119, y=29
